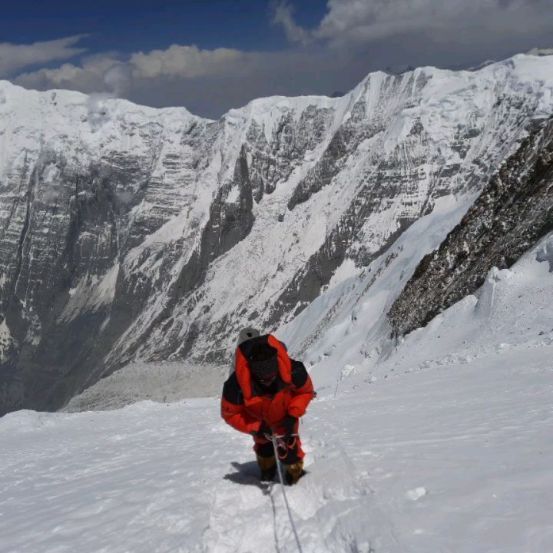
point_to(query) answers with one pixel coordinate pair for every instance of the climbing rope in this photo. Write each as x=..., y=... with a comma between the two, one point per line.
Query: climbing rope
x=274, y=440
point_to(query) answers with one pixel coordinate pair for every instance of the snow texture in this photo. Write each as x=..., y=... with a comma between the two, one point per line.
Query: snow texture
x=446, y=446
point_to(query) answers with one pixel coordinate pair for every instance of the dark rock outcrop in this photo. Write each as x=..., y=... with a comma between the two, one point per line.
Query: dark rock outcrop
x=513, y=212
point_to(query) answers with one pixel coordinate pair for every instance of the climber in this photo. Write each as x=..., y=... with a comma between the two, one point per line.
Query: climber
x=265, y=395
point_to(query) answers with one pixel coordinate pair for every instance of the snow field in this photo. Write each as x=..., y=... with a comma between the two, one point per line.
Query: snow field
x=446, y=458
x=460, y=454
x=149, y=477
x=444, y=445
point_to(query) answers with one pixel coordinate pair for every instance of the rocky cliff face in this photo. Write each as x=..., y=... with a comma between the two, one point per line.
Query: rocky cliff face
x=132, y=233
x=513, y=212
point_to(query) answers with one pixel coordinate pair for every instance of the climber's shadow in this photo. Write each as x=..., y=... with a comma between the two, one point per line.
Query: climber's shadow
x=247, y=474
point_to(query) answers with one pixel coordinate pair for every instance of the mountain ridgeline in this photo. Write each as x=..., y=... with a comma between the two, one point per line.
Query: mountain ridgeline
x=129, y=233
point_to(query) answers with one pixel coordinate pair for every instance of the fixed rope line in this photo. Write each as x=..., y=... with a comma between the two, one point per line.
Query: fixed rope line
x=279, y=470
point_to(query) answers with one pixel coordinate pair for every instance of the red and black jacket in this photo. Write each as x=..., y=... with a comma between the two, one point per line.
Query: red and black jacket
x=245, y=406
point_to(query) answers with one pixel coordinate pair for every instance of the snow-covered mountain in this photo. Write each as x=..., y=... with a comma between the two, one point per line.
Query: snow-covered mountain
x=133, y=233
x=513, y=212
x=358, y=324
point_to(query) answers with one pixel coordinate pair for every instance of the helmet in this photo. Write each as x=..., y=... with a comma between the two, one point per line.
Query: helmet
x=246, y=334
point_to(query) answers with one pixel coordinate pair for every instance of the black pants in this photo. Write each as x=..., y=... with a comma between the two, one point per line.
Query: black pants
x=288, y=450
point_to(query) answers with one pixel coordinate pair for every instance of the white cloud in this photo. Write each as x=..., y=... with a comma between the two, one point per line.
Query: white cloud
x=450, y=21
x=116, y=76
x=89, y=76
x=284, y=15
x=118, y=79
x=356, y=22
x=14, y=57
x=184, y=62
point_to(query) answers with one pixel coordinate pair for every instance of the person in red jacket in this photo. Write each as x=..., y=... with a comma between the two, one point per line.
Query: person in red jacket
x=266, y=394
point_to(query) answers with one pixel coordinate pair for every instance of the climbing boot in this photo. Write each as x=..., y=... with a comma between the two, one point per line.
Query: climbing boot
x=294, y=472
x=267, y=465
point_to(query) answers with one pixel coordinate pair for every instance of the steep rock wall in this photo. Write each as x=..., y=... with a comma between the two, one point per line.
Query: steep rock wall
x=513, y=212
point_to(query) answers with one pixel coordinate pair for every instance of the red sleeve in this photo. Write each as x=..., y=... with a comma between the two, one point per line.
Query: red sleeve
x=301, y=398
x=238, y=418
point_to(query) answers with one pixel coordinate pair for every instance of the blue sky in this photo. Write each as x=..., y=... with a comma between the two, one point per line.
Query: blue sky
x=211, y=55
x=128, y=26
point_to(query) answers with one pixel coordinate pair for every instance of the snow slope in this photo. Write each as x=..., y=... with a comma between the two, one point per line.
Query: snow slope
x=347, y=325
x=444, y=447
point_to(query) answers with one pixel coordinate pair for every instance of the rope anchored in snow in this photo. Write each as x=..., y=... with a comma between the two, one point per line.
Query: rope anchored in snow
x=274, y=440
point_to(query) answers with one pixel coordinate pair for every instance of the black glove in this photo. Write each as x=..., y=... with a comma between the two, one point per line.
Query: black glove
x=289, y=424
x=264, y=431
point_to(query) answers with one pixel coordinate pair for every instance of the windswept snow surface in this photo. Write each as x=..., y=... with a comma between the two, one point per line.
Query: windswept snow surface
x=455, y=458
x=446, y=446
